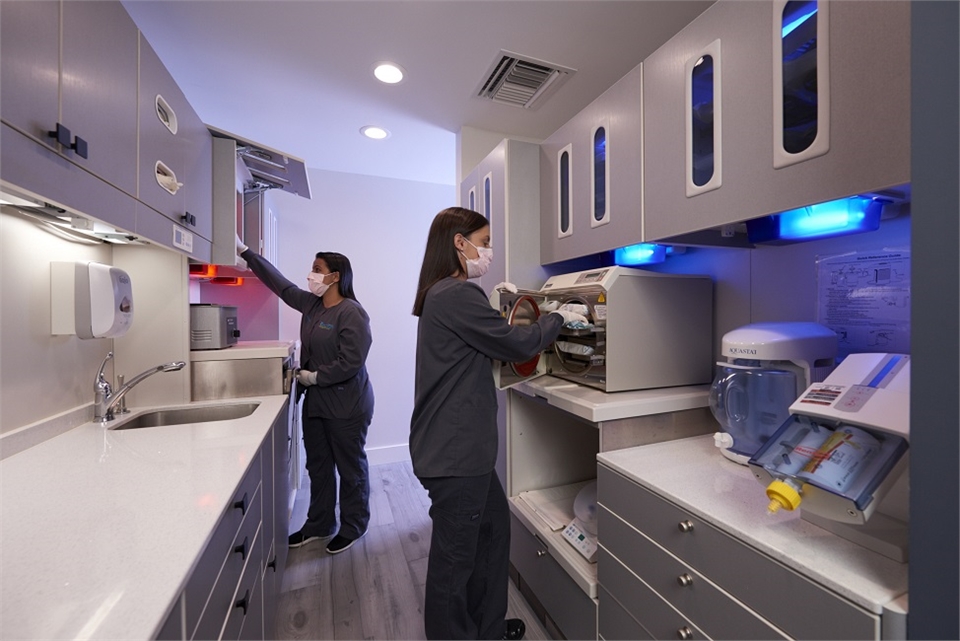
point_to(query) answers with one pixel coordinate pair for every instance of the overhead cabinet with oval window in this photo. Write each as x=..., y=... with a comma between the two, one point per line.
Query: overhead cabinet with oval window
x=761, y=107
x=591, y=192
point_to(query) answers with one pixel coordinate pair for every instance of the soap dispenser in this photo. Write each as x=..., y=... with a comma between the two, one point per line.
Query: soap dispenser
x=89, y=299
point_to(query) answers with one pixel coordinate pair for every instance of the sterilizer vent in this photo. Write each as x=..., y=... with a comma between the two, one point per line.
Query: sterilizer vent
x=521, y=81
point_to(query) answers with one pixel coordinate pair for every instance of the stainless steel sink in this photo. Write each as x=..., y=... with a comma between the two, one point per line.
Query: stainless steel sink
x=180, y=416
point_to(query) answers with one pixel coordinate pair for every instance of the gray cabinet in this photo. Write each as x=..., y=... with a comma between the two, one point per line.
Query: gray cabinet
x=176, y=150
x=591, y=190
x=58, y=71
x=233, y=590
x=676, y=575
x=857, y=130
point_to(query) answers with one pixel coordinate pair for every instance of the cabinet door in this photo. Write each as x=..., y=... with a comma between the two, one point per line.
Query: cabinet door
x=591, y=177
x=491, y=182
x=162, y=107
x=198, y=173
x=99, y=88
x=469, y=193
x=735, y=36
x=30, y=67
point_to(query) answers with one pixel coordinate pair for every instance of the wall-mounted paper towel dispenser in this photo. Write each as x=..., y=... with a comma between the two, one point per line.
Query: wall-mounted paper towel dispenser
x=90, y=300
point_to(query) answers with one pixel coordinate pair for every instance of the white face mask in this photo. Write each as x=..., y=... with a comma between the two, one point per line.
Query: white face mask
x=477, y=267
x=316, y=284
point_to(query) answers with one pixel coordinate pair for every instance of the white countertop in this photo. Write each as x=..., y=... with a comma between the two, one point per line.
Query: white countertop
x=245, y=349
x=596, y=405
x=692, y=474
x=101, y=528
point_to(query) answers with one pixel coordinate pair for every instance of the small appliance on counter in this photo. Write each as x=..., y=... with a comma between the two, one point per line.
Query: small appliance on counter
x=841, y=452
x=581, y=532
x=768, y=365
x=213, y=326
x=646, y=330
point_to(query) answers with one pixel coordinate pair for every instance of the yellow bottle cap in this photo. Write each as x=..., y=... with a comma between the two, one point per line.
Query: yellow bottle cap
x=782, y=495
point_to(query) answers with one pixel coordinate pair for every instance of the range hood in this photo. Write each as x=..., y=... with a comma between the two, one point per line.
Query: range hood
x=269, y=168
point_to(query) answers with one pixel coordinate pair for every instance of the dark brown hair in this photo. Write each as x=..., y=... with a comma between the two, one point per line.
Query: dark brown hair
x=340, y=263
x=440, y=257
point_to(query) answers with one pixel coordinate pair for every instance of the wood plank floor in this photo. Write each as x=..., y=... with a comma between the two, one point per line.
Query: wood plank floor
x=374, y=590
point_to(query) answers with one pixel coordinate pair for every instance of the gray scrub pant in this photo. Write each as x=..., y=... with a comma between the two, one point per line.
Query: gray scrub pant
x=468, y=567
x=337, y=444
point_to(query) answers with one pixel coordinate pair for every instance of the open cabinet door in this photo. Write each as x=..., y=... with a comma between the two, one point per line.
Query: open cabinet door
x=520, y=308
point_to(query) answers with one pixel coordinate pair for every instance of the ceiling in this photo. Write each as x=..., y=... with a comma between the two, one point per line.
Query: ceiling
x=297, y=75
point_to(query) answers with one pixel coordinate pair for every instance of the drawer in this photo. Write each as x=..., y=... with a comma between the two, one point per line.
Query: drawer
x=244, y=550
x=614, y=623
x=748, y=575
x=700, y=601
x=244, y=616
x=208, y=567
x=656, y=616
x=569, y=606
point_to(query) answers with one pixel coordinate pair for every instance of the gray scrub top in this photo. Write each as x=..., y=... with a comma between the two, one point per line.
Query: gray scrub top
x=335, y=342
x=453, y=431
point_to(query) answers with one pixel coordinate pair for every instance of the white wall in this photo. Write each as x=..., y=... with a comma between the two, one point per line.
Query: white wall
x=381, y=225
x=42, y=375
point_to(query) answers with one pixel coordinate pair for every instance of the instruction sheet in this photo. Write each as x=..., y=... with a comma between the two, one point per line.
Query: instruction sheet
x=864, y=296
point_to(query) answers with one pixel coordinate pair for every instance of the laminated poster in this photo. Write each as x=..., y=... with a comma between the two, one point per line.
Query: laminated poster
x=864, y=296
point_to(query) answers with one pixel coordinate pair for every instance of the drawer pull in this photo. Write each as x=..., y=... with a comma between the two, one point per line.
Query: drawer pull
x=541, y=553
x=682, y=633
x=684, y=580
x=685, y=526
x=242, y=549
x=273, y=564
x=245, y=601
x=241, y=504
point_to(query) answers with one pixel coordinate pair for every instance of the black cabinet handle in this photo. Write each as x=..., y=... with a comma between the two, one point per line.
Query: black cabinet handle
x=273, y=564
x=189, y=219
x=62, y=134
x=242, y=549
x=80, y=145
x=244, y=602
x=241, y=504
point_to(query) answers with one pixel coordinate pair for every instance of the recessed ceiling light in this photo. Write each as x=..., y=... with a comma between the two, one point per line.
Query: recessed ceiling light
x=377, y=133
x=388, y=72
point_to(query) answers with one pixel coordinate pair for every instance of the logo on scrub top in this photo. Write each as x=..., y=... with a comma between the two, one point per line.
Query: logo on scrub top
x=323, y=325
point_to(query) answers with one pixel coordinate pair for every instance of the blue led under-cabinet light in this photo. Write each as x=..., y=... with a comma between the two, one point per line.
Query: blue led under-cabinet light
x=823, y=220
x=642, y=254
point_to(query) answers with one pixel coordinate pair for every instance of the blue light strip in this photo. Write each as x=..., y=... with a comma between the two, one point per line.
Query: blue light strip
x=831, y=218
x=883, y=373
x=787, y=29
x=641, y=254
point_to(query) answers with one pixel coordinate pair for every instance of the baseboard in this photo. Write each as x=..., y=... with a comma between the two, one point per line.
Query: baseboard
x=388, y=454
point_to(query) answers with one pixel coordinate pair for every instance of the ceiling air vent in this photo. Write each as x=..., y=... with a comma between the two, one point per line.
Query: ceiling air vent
x=521, y=81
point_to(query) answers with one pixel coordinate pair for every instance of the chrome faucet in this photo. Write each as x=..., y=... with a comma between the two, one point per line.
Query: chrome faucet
x=105, y=400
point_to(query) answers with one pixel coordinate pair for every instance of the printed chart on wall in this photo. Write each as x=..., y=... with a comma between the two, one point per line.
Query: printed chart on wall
x=865, y=297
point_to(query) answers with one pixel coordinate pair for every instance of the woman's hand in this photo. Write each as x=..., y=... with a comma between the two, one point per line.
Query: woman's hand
x=306, y=378
x=571, y=317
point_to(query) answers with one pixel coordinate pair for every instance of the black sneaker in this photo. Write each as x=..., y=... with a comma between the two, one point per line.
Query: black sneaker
x=341, y=543
x=299, y=538
x=514, y=629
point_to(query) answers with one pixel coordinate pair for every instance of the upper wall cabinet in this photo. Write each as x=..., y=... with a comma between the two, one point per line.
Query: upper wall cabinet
x=591, y=192
x=761, y=107
x=69, y=80
x=176, y=150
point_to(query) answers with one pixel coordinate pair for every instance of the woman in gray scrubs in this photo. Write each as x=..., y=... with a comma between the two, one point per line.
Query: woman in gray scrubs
x=453, y=431
x=335, y=340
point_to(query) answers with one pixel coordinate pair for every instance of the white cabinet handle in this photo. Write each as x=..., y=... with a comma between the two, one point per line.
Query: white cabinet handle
x=166, y=178
x=166, y=114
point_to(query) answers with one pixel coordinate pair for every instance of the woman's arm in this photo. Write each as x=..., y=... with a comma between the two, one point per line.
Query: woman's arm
x=298, y=299
x=468, y=313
